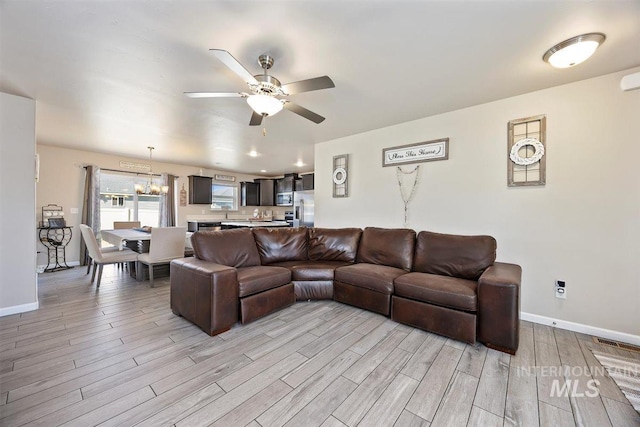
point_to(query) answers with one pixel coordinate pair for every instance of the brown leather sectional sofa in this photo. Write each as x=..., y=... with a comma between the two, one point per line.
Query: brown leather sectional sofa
x=447, y=284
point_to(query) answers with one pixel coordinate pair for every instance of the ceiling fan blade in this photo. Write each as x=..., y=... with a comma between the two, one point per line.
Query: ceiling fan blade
x=233, y=64
x=215, y=94
x=256, y=119
x=301, y=111
x=308, y=85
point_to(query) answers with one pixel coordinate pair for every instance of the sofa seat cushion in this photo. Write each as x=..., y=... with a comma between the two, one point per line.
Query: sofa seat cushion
x=252, y=280
x=441, y=290
x=312, y=270
x=369, y=276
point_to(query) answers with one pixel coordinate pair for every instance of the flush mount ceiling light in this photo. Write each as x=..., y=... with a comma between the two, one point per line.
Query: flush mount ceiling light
x=574, y=50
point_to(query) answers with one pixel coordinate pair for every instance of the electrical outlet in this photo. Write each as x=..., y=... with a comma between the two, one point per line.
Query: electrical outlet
x=561, y=289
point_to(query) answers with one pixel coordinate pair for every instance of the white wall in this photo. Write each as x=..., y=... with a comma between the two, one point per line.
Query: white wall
x=583, y=226
x=62, y=183
x=18, y=288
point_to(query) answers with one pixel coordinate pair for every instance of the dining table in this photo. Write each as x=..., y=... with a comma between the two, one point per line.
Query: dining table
x=135, y=239
x=128, y=237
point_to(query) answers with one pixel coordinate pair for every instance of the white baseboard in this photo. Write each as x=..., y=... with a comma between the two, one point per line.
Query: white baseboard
x=579, y=327
x=7, y=311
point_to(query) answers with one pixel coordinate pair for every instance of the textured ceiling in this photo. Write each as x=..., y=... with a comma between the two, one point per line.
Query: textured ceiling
x=109, y=76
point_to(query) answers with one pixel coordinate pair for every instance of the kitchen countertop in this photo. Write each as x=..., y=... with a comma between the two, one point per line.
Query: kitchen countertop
x=256, y=223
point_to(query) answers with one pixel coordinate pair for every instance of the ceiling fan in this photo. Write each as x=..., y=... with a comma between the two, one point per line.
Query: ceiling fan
x=268, y=95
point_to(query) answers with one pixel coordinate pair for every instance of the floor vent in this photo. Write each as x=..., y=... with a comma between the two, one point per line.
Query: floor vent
x=617, y=344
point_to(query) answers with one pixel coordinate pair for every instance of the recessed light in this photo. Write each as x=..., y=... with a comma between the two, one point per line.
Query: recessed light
x=262, y=170
x=573, y=51
x=299, y=163
x=253, y=153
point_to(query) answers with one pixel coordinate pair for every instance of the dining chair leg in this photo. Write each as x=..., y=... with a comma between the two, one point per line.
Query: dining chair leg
x=151, y=275
x=89, y=265
x=99, y=275
x=95, y=268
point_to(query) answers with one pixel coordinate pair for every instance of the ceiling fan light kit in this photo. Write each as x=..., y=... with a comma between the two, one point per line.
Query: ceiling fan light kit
x=573, y=51
x=268, y=94
x=264, y=104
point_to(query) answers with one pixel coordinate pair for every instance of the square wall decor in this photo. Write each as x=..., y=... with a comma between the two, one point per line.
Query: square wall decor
x=526, y=151
x=339, y=175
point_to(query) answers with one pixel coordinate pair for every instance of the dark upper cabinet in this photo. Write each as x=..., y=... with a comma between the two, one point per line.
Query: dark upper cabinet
x=285, y=185
x=267, y=191
x=307, y=181
x=199, y=190
x=249, y=194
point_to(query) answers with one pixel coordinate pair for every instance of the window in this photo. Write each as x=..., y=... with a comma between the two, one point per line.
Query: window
x=224, y=197
x=119, y=201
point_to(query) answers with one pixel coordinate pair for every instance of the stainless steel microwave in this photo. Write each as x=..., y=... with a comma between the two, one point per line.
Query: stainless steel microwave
x=284, y=199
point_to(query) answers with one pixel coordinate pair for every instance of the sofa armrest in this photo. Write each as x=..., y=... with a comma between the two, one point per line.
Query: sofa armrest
x=499, y=307
x=204, y=293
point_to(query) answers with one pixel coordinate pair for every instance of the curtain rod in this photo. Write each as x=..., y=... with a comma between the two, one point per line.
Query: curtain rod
x=133, y=173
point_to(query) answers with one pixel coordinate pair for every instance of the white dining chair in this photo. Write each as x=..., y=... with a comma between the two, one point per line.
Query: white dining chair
x=167, y=243
x=99, y=257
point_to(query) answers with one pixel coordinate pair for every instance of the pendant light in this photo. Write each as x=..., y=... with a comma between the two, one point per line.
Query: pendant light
x=151, y=188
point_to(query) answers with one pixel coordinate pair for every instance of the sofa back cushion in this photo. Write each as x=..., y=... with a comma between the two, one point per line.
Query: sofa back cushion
x=235, y=248
x=281, y=244
x=334, y=244
x=465, y=257
x=392, y=247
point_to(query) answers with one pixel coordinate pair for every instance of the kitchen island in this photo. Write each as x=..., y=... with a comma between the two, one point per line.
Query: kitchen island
x=252, y=224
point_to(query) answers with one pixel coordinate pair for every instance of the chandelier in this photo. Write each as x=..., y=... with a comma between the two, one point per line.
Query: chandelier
x=151, y=188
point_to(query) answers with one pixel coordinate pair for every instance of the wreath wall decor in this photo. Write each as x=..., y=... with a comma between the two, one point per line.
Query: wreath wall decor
x=538, y=147
x=526, y=151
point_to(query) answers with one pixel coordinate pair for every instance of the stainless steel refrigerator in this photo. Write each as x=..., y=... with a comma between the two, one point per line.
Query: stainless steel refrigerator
x=303, y=208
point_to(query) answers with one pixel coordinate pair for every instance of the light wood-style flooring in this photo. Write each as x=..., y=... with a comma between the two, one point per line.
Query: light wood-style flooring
x=119, y=357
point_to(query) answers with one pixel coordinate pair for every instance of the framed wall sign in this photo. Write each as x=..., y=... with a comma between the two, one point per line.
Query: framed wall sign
x=427, y=151
x=229, y=178
x=526, y=148
x=143, y=167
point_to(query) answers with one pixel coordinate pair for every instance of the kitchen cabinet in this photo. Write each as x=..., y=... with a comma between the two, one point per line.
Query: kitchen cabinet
x=200, y=190
x=305, y=182
x=286, y=184
x=308, y=182
x=249, y=194
x=267, y=191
